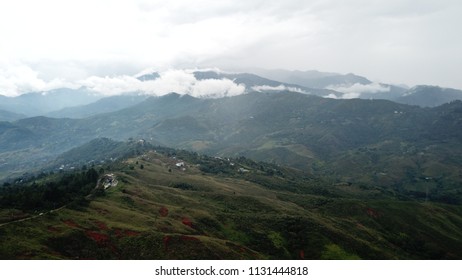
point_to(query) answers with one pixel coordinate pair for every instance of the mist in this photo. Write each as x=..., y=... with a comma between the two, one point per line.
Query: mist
x=23, y=79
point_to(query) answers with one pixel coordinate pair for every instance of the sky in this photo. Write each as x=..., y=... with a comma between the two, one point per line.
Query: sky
x=51, y=43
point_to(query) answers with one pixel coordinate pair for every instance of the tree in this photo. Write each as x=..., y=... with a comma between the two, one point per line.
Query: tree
x=92, y=175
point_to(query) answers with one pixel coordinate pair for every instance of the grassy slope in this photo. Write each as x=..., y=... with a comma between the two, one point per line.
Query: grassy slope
x=154, y=213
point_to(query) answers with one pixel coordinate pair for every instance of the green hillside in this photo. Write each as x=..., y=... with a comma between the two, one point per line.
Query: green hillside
x=369, y=142
x=173, y=204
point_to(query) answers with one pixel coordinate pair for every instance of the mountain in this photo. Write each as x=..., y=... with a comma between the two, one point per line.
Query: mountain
x=98, y=151
x=303, y=78
x=40, y=103
x=249, y=80
x=383, y=91
x=254, y=82
x=343, y=86
x=173, y=204
x=348, y=79
x=278, y=172
x=103, y=105
x=312, y=78
x=429, y=96
x=10, y=116
x=371, y=142
x=82, y=102
x=78, y=103
x=148, y=77
x=351, y=85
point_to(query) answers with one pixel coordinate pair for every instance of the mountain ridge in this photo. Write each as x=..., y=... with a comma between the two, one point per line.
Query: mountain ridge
x=322, y=136
x=163, y=203
x=82, y=102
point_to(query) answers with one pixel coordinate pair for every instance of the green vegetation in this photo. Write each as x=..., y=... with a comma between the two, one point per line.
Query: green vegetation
x=328, y=179
x=266, y=212
x=45, y=194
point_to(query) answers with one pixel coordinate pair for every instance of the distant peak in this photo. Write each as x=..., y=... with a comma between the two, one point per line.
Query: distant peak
x=148, y=77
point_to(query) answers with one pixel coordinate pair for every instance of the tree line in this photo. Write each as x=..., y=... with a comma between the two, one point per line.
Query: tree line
x=46, y=195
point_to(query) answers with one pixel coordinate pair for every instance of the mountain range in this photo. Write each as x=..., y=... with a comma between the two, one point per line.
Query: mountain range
x=83, y=102
x=329, y=143
x=366, y=141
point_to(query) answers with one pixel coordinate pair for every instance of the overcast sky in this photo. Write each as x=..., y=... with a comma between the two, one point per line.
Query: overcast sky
x=394, y=41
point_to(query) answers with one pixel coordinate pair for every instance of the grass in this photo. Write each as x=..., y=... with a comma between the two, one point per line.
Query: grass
x=335, y=252
x=147, y=216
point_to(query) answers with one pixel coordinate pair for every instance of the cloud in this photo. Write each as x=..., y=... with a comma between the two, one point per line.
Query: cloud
x=351, y=95
x=179, y=81
x=18, y=79
x=112, y=85
x=331, y=95
x=356, y=90
x=217, y=88
x=402, y=38
x=277, y=88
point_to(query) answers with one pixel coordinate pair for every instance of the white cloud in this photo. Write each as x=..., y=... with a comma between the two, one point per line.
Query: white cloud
x=278, y=88
x=112, y=85
x=179, y=81
x=217, y=88
x=356, y=90
x=18, y=79
x=331, y=95
x=350, y=95
x=402, y=38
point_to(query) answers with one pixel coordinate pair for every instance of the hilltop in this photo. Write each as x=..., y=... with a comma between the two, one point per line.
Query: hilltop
x=173, y=204
x=371, y=142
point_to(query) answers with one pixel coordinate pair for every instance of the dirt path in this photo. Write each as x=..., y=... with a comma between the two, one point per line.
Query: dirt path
x=33, y=217
x=112, y=184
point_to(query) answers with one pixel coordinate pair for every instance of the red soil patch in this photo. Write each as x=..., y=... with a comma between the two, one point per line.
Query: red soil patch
x=118, y=232
x=53, y=229
x=167, y=239
x=163, y=211
x=96, y=236
x=101, y=225
x=71, y=223
x=122, y=233
x=189, y=238
x=372, y=213
x=301, y=254
x=131, y=233
x=187, y=222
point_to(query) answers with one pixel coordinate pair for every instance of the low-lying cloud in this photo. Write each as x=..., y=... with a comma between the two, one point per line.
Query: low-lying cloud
x=22, y=79
x=213, y=88
x=179, y=81
x=18, y=79
x=277, y=88
x=357, y=90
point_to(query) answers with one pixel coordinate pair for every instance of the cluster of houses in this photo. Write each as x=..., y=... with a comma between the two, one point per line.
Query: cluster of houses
x=108, y=180
x=181, y=165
